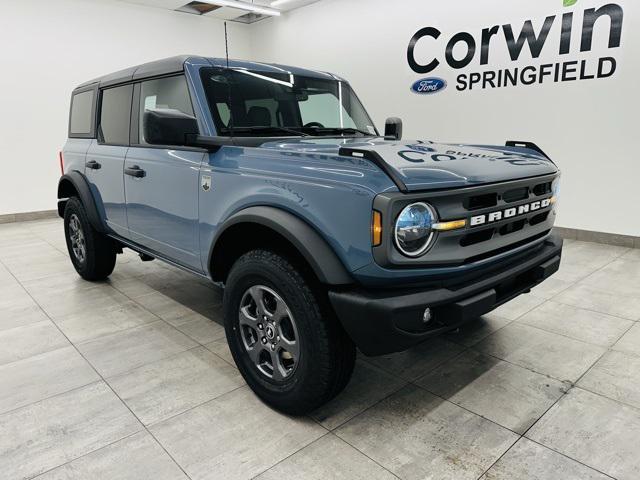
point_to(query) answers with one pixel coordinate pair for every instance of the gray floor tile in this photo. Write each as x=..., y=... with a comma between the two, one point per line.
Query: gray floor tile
x=79, y=300
x=584, y=325
x=221, y=348
x=548, y=353
x=26, y=271
x=551, y=287
x=619, y=277
x=233, y=437
x=129, y=349
x=368, y=386
x=34, y=250
x=171, y=386
x=415, y=434
x=328, y=458
x=599, y=300
x=528, y=460
x=23, y=342
x=97, y=322
x=13, y=317
x=580, y=259
x=509, y=395
x=36, y=378
x=131, y=287
x=49, y=433
x=632, y=255
x=134, y=458
x=193, y=293
x=617, y=376
x=472, y=332
x=419, y=360
x=57, y=285
x=518, y=306
x=201, y=329
x=164, y=307
x=593, y=430
x=630, y=342
x=136, y=269
x=14, y=297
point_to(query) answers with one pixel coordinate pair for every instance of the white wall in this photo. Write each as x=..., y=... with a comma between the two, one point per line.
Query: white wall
x=50, y=46
x=589, y=127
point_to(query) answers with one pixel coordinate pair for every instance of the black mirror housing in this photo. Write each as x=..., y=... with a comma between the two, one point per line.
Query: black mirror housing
x=393, y=129
x=168, y=127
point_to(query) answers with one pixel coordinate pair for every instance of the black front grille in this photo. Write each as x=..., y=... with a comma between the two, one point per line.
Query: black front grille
x=498, y=251
x=497, y=220
x=476, y=202
x=542, y=189
x=516, y=194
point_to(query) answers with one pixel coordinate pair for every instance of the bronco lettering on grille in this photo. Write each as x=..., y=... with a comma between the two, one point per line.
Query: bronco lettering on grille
x=509, y=212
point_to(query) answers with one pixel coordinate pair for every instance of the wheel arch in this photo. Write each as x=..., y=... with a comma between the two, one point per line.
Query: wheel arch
x=261, y=226
x=75, y=184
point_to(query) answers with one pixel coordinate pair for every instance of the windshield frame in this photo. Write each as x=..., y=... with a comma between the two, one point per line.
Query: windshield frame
x=232, y=130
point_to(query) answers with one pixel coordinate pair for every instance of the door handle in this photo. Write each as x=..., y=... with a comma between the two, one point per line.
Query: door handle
x=135, y=171
x=93, y=165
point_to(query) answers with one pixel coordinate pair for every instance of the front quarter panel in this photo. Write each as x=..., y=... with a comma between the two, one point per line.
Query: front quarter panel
x=332, y=194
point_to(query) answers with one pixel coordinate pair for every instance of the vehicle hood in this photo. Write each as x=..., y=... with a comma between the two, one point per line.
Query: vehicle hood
x=425, y=165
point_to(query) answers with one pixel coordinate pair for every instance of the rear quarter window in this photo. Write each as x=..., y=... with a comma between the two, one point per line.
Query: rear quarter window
x=82, y=110
x=115, y=115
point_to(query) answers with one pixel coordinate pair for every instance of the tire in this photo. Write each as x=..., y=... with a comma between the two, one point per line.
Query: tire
x=93, y=254
x=305, y=374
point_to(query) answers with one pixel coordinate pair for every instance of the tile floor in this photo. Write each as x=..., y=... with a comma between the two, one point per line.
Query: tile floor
x=131, y=379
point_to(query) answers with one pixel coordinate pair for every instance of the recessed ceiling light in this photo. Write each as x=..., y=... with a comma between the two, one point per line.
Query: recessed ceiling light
x=249, y=7
x=279, y=2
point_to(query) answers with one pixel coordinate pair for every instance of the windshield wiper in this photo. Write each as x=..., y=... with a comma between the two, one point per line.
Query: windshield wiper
x=341, y=130
x=265, y=129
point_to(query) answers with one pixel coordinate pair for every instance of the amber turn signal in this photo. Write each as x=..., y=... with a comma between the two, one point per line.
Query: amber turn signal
x=376, y=228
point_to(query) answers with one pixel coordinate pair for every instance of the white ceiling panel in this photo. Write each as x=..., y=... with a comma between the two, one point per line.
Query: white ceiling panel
x=226, y=13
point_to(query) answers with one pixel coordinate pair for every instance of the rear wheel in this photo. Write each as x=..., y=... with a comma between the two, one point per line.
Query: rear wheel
x=286, y=342
x=93, y=254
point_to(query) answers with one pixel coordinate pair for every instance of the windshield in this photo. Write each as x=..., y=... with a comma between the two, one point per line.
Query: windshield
x=246, y=103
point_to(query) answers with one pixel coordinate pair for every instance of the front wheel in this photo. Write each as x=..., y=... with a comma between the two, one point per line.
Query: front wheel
x=288, y=346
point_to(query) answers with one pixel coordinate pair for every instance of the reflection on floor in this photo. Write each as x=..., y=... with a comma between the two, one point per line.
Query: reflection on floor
x=131, y=378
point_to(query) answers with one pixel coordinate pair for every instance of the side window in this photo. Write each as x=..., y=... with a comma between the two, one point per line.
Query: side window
x=115, y=115
x=169, y=93
x=81, y=120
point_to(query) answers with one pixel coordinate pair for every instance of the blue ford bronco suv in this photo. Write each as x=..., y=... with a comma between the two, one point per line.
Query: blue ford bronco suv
x=274, y=182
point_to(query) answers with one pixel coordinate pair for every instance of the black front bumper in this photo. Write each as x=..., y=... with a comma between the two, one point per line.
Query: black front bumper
x=382, y=322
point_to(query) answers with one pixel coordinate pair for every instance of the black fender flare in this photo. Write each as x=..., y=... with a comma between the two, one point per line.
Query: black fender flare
x=315, y=250
x=81, y=185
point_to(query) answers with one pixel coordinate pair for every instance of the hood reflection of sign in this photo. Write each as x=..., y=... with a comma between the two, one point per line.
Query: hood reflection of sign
x=428, y=86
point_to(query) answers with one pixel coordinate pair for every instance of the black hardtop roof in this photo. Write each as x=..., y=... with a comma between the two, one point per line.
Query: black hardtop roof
x=175, y=64
x=151, y=69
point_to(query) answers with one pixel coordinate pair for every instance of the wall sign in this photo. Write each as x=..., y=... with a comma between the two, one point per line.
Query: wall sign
x=517, y=38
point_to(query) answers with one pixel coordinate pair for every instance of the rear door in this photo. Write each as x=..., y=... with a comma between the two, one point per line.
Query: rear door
x=162, y=182
x=105, y=157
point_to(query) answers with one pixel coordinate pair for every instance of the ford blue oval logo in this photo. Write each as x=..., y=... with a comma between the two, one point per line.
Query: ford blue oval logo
x=428, y=86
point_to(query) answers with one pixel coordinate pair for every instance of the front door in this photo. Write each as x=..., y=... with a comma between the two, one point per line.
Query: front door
x=105, y=157
x=161, y=183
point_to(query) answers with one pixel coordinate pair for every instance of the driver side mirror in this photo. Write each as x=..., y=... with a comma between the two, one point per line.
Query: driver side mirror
x=393, y=129
x=166, y=126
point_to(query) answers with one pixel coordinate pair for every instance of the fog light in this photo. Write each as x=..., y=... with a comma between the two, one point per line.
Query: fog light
x=426, y=317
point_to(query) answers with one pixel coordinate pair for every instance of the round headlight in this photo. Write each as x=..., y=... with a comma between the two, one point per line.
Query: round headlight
x=413, y=233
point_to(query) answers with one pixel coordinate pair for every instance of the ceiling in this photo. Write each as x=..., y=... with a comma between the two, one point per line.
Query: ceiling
x=224, y=12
